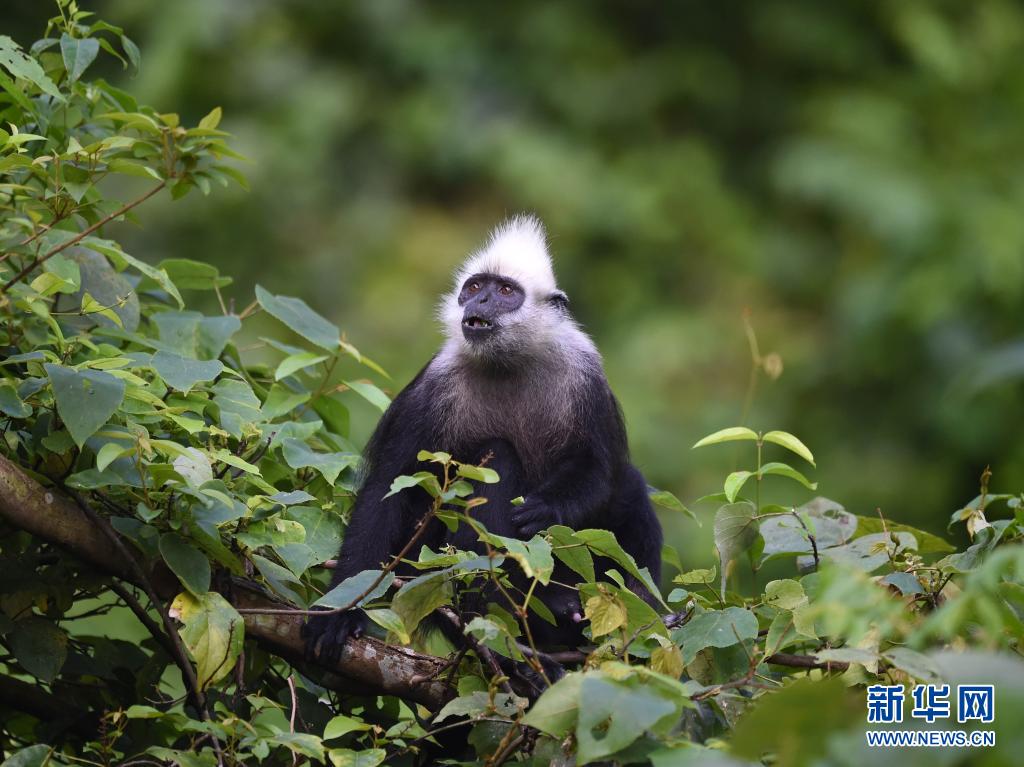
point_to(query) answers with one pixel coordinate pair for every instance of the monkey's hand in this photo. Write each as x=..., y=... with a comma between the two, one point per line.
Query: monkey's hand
x=532, y=516
x=326, y=635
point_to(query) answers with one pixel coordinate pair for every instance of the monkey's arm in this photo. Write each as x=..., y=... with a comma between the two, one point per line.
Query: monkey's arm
x=378, y=526
x=579, y=484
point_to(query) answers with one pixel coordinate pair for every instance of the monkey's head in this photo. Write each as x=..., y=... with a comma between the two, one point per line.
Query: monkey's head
x=505, y=303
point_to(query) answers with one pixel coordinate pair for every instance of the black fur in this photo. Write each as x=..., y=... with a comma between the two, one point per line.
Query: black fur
x=586, y=481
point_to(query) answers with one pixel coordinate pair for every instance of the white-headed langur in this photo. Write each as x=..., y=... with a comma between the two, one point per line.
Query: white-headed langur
x=516, y=384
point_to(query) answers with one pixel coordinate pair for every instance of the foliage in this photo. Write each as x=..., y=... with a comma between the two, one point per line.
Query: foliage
x=116, y=394
x=845, y=170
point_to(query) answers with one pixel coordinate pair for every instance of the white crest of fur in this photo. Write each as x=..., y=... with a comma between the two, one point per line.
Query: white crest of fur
x=517, y=249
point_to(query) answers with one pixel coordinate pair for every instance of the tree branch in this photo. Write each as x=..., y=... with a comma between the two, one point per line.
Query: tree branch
x=81, y=235
x=22, y=696
x=366, y=664
x=805, y=661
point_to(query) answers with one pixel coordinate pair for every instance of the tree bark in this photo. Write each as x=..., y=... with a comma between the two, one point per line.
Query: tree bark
x=367, y=664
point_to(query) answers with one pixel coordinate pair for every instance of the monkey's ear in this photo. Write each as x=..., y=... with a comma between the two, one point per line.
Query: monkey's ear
x=558, y=298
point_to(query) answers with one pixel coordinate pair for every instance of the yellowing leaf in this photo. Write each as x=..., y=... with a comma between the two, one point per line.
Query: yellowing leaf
x=213, y=633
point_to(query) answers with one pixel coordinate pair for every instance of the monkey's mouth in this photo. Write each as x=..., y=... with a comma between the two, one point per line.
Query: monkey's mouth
x=476, y=329
x=477, y=323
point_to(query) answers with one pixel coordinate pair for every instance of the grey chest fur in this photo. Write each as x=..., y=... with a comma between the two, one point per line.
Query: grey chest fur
x=532, y=408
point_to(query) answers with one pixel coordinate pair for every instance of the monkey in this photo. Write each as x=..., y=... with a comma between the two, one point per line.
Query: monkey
x=519, y=385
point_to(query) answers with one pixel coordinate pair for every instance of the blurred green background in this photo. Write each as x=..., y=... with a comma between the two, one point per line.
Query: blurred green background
x=850, y=172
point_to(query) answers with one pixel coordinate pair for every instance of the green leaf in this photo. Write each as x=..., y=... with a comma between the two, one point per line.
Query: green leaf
x=187, y=562
x=280, y=579
x=110, y=452
x=324, y=530
x=190, y=334
x=788, y=441
x=369, y=757
x=105, y=285
x=237, y=404
x=370, y=393
x=345, y=593
x=78, y=54
x=299, y=455
x=420, y=597
x=603, y=543
x=555, y=712
x=784, y=594
x=225, y=456
x=212, y=120
x=281, y=400
x=334, y=413
x=11, y=404
x=296, y=362
x=701, y=575
x=666, y=500
x=927, y=543
x=869, y=552
x=85, y=398
x=296, y=314
x=477, y=473
x=133, y=168
x=907, y=583
x=784, y=470
x=32, y=756
x=193, y=275
x=121, y=260
x=194, y=467
x=571, y=551
x=605, y=613
x=734, y=483
x=781, y=633
x=479, y=703
x=23, y=67
x=433, y=457
x=343, y=725
x=798, y=723
x=735, y=531
x=15, y=92
x=389, y=620
x=214, y=633
x=40, y=647
x=533, y=556
x=131, y=50
x=829, y=522
x=182, y=373
x=423, y=479
x=715, y=628
x=616, y=714
x=731, y=434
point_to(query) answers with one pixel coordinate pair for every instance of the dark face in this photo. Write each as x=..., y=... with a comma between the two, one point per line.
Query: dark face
x=485, y=299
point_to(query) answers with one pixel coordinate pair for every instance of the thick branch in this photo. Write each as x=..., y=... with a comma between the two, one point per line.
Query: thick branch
x=22, y=696
x=805, y=661
x=366, y=664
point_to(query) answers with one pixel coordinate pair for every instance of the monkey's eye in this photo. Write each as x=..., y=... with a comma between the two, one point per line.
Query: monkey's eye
x=505, y=290
x=473, y=287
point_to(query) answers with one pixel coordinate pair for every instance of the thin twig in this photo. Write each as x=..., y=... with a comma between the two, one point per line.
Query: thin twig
x=144, y=617
x=295, y=703
x=508, y=746
x=811, y=538
x=81, y=236
x=483, y=653
x=179, y=654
